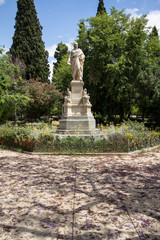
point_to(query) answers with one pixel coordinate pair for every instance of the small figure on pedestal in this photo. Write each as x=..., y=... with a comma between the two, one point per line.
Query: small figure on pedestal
x=67, y=99
x=76, y=60
x=85, y=97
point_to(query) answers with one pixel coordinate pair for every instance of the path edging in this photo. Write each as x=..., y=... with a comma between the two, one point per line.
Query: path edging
x=121, y=153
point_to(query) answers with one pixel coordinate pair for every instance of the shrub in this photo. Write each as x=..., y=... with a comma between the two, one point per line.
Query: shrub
x=73, y=144
x=121, y=138
x=20, y=137
x=118, y=141
x=44, y=98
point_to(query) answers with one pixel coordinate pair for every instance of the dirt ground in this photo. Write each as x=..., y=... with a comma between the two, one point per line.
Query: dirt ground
x=79, y=197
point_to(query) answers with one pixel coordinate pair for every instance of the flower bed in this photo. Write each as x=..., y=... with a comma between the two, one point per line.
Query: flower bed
x=41, y=137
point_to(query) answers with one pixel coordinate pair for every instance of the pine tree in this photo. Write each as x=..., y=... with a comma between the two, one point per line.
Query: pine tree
x=27, y=42
x=101, y=8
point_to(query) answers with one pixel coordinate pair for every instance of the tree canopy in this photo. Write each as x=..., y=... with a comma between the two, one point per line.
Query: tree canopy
x=27, y=41
x=62, y=75
x=9, y=78
x=61, y=50
x=122, y=63
x=61, y=70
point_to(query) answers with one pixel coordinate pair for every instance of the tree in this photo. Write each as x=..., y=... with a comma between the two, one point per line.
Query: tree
x=122, y=66
x=62, y=71
x=115, y=59
x=103, y=70
x=136, y=64
x=151, y=80
x=154, y=32
x=27, y=42
x=9, y=98
x=101, y=8
x=62, y=75
x=61, y=50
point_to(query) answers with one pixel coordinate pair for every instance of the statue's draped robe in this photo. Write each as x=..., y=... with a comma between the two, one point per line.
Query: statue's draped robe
x=76, y=60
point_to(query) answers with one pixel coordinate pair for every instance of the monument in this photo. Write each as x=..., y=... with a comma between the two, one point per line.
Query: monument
x=77, y=116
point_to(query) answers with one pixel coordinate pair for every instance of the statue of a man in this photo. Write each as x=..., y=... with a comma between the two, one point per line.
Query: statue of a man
x=76, y=60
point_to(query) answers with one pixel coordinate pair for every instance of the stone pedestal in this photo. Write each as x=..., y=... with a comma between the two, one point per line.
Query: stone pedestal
x=77, y=116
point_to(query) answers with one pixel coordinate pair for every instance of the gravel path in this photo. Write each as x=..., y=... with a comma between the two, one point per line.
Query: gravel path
x=79, y=197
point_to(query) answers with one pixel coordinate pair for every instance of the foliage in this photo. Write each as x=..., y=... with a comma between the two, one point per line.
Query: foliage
x=78, y=144
x=62, y=76
x=27, y=42
x=9, y=77
x=45, y=98
x=154, y=32
x=149, y=80
x=61, y=51
x=104, y=65
x=20, y=137
x=128, y=136
x=121, y=70
x=137, y=135
x=101, y=8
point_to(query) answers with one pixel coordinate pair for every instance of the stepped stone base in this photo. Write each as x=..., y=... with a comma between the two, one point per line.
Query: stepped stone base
x=77, y=124
x=77, y=116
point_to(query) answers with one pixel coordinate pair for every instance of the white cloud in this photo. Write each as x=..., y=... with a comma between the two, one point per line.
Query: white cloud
x=69, y=45
x=133, y=12
x=6, y=50
x=2, y=2
x=51, y=50
x=51, y=68
x=154, y=19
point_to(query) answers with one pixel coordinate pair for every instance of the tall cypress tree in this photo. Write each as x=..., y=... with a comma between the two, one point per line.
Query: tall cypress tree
x=101, y=8
x=27, y=42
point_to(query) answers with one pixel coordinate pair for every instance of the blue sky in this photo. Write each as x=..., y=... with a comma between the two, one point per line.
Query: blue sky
x=59, y=18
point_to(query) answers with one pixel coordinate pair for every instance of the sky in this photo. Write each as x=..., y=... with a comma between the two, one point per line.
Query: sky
x=59, y=18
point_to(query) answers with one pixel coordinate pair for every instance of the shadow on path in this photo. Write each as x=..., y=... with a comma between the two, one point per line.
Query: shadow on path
x=51, y=197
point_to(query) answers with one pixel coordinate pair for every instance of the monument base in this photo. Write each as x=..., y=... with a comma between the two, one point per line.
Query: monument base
x=81, y=133
x=77, y=117
x=77, y=125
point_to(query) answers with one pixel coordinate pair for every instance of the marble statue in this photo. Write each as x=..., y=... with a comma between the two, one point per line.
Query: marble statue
x=85, y=97
x=77, y=106
x=67, y=98
x=76, y=60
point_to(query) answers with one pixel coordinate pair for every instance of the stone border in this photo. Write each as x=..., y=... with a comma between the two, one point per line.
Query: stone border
x=103, y=154
x=143, y=149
